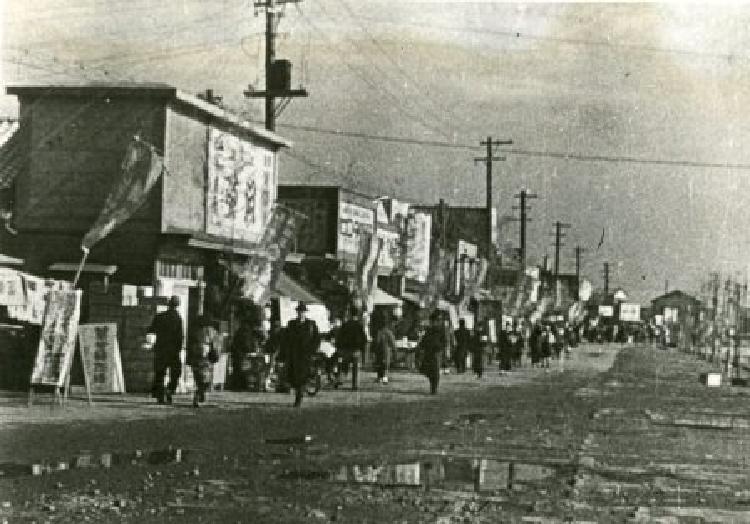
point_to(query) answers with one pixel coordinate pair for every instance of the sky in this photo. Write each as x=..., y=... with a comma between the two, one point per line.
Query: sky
x=666, y=83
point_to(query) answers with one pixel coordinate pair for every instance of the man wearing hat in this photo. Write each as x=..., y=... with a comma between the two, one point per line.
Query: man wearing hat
x=302, y=341
x=350, y=343
x=167, y=326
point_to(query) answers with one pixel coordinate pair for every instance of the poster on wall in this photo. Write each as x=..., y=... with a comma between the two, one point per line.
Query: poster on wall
x=58, y=338
x=101, y=353
x=241, y=187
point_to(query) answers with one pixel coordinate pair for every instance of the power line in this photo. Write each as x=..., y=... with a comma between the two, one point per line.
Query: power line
x=510, y=33
x=520, y=152
x=380, y=88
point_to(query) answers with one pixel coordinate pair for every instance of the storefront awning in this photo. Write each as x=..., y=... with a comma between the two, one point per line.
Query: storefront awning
x=381, y=298
x=414, y=298
x=290, y=288
x=11, y=152
x=6, y=260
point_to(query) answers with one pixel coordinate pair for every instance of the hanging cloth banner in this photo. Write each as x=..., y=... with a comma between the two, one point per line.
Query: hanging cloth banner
x=101, y=353
x=58, y=338
x=442, y=265
x=141, y=168
x=11, y=288
x=261, y=273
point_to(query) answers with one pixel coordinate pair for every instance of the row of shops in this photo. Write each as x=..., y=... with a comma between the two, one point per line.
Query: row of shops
x=200, y=228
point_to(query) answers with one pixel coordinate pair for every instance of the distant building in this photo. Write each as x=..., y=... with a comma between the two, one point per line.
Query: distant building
x=452, y=224
x=680, y=311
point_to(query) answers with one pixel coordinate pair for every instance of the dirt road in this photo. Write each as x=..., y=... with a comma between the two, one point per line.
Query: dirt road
x=605, y=438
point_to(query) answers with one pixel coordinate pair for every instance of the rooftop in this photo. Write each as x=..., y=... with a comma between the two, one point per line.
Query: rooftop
x=154, y=90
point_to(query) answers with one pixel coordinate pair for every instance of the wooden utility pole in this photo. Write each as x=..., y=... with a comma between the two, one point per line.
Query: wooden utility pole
x=606, y=279
x=488, y=159
x=559, y=234
x=579, y=250
x=278, y=72
x=523, y=196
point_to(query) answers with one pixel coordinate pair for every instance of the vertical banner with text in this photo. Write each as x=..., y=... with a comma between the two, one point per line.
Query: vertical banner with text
x=58, y=338
x=264, y=267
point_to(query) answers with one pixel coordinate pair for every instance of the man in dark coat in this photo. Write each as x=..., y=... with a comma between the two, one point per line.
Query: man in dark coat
x=351, y=340
x=464, y=340
x=302, y=341
x=167, y=326
x=432, y=347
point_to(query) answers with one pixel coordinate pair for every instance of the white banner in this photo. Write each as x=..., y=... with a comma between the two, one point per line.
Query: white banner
x=58, y=339
x=606, y=311
x=419, y=235
x=11, y=288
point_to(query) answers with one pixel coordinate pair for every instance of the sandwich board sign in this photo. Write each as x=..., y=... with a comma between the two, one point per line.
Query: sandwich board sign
x=57, y=343
x=100, y=351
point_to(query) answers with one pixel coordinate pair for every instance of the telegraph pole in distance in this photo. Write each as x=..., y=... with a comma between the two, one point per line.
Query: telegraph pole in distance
x=559, y=234
x=579, y=250
x=278, y=72
x=523, y=196
x=606, y=279
x=488, y=159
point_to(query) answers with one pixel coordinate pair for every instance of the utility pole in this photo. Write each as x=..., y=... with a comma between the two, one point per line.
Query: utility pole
x=559, y=234
x=523, y=196
x=579, y=250
x=278, y=72
x=488, y=159
x=606, y=279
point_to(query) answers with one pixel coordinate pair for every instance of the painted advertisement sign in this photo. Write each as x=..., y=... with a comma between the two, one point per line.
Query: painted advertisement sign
x=241, y=187
x=58, y=338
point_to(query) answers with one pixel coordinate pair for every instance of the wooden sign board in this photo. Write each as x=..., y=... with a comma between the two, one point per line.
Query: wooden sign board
x=101, y=353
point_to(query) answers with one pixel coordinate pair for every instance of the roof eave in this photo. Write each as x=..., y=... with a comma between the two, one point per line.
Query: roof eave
x=231, y=119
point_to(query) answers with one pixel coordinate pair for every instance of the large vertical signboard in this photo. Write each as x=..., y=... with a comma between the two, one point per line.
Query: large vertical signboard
x=418, y=235
x=58, y=339
x=241, y=187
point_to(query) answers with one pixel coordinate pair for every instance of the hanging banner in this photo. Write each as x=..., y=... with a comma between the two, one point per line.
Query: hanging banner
x=11, y=288
x=141, y=168
x=58, y=338
x=263, y=269
x=101, y=353
x=417, y=252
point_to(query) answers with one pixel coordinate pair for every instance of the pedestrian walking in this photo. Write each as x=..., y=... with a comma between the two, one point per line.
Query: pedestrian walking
x=302, y=341
x=548, y=345
x=384, y=345
x=535, y=345
x=506, y=349
x=351, y=340
x=450, y=346
x=464, y=341
x=480, y=341
x=248, y=339
x=432, y=349
x=201, y=356
x=517, y=343
x=167, y=326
